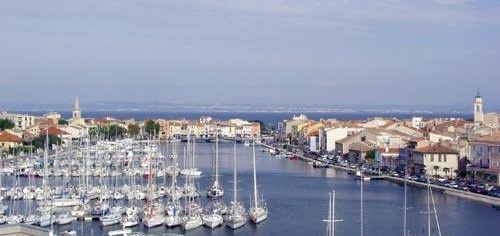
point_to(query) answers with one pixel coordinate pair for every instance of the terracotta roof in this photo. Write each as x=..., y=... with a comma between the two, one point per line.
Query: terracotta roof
x=490, y=139
x=315, y=133
x=54, y=131
x=361, y=147
x=437, y=148
x=8, y=137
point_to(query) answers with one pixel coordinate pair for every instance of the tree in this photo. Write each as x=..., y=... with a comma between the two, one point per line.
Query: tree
x=62, y=122
x=152, y=127
x=6, y=124
x=446, y=170
x=370, y=157
x=107, y=131
x=134, y=129
x=436, y=168
x=39, y=142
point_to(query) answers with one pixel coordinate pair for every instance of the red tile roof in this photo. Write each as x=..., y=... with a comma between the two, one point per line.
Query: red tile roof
x=436, y=149
x=54, y=131
x=8, y=137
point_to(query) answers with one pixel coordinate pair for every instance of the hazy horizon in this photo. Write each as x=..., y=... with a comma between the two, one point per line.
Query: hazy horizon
x=306, y=52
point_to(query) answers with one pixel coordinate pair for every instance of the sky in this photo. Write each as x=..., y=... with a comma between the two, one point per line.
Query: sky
x=387, y=52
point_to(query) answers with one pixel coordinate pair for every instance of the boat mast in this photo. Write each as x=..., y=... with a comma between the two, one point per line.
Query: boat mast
x=235, y=185
x=428, y=207
x=45, y=166
x=255, y=194
x=149, y=181
x=404, y=205
x=361, y=224
x=435, y=212
x=216, y=159
x=333, y=213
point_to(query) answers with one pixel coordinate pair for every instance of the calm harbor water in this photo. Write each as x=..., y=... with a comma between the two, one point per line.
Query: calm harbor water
x=297, y=198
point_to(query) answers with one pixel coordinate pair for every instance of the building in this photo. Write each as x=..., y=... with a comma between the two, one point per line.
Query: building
x=437, y=137
x=388, y=157
x=358, y=153
x=76, y=118
x=21, y=121
x=9, y=141
x=437, y=159
x=335, y=134
x=416, y=122
x=478, y=109
x=485, y=158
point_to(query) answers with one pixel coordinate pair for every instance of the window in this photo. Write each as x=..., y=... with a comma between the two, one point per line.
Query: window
x=432, y=157
x=444, y=157
x=439, y=158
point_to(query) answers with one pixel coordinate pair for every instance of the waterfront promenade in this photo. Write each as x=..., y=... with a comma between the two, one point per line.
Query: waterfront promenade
x=455, y=192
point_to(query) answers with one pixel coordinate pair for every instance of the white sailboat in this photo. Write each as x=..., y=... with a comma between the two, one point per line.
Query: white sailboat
x=237, y=215
x=216, y=190
x=330, y=228
x=152, y=218
x=212, y=220
x=110, y=219
x=258, y=212
x=406, y=232
x=129, y=221
x=47, y=217
x=191, y=170
x=173, y=207
x=193, y=219
x=64, y=219
x=429, y=212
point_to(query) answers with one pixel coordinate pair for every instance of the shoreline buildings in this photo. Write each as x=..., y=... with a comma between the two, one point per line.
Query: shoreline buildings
x=446, y=147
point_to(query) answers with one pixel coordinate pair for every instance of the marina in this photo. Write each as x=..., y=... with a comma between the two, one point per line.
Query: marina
x=297, y=194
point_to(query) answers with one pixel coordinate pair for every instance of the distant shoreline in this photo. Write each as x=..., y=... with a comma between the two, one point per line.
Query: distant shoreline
x=271, y=118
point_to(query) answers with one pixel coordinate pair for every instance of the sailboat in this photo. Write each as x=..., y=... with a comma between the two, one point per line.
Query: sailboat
x=405, y=207
x=31, y=219
x=173, y=207
x=191, y=170
x=47, y=217
x=129, y=221
x=330, y=228
x=216, y=190
x=193, y=219
x=429, y=212
x=258, y=212
x=152, y=217
x=237, y=215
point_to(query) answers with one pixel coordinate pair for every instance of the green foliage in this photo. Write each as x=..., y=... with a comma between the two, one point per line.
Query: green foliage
x=370, y=155
x=62, y=122
x=436, y=168
x=446, y=170
x=6, y=124
x=134, y=129
x=39, y=142
x=107, y=131
x=152, y=127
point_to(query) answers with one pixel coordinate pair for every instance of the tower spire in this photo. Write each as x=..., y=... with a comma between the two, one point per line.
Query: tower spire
x=77, y=104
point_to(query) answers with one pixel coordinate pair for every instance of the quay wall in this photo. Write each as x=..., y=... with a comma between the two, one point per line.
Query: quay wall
x=24, y=230
x=450, y=191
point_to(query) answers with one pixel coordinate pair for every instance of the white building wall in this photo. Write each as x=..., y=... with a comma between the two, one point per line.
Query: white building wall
x=335, y=134
x=443, y=161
